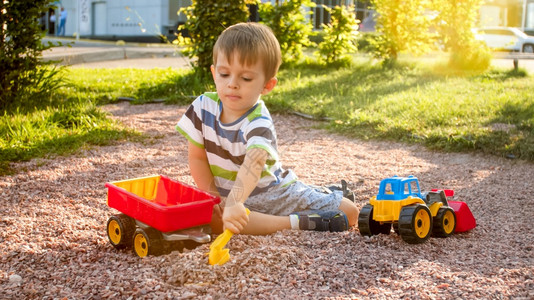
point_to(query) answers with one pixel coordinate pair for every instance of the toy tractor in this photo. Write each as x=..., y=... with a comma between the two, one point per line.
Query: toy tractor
x=413, y=215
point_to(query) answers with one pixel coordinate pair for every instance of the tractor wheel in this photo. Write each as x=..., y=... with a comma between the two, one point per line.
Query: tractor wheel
x=368, y=226
x=415, y=224
x=444, y=222
x=120, y=230
x=147, y=241
x=396, y=227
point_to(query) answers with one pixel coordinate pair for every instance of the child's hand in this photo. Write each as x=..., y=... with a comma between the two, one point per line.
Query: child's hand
x=235, y=217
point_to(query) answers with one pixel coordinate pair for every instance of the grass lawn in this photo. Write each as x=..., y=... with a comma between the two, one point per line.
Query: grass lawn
x=416, y=102
x=58, y=130
x=491, y=112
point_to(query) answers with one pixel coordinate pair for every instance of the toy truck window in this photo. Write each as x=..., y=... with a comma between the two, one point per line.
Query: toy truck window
x=388, y=190
x=407, y=189
x=414, y=187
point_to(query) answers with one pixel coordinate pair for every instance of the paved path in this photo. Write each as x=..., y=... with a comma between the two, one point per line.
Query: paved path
x=103, y=54
x=509, y=63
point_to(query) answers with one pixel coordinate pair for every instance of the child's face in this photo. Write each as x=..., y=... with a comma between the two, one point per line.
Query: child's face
x=239, y=87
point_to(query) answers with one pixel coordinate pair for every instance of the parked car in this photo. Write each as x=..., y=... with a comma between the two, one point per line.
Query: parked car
x=505, y=38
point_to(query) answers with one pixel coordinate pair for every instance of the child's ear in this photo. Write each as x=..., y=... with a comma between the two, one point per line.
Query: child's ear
x=269, y=85
x=212, y=68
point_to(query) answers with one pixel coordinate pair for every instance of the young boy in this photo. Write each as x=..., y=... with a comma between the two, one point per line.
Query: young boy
x=232, y=145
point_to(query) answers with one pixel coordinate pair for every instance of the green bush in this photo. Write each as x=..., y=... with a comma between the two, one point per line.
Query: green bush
x=317, y=37
x=367, y=42
x=475, y=56
x=23, y=75
x=289, y=24
x=454, y=23
x=205, y=22
x=403, y=26
x=340, y=36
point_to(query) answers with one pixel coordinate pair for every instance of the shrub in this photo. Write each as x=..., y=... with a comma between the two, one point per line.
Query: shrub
x=403, y=26
x=475, y=56
x=205, y=22
x=289, y=24
x=23, y=75
x=340, y=36
x=367, y=42
x=454, y=23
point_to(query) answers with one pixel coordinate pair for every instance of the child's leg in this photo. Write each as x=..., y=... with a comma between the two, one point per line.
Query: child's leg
x=350, y=209
x=261, y=224
x=216, y=220
x=258, y=224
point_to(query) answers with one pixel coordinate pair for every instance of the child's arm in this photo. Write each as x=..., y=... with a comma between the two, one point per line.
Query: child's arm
x=234, y=216
x=200, y=169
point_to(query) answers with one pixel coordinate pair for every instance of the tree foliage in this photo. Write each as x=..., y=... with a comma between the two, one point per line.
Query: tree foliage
x=289, y=23
x=418, y=26
x=339, y=35
x=206, y=20
x=23, y=77
x=454, y=22
x=403, y=26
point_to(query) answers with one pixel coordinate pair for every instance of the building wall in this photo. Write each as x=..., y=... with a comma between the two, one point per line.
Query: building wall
x=510, y=13
x=320, y=16
x=119, y=17
x=137, y=17
x=529, y=22
x=150, y=18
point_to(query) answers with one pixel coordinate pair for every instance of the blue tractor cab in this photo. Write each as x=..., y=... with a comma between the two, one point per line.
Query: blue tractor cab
x=399, y=188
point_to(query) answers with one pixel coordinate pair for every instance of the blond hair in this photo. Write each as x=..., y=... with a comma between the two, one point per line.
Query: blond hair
x=253, y=42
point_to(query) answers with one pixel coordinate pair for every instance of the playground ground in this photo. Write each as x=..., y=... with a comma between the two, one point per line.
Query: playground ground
x=53, y=240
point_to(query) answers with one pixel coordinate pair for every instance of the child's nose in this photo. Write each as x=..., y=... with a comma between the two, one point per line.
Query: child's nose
x=232, y=83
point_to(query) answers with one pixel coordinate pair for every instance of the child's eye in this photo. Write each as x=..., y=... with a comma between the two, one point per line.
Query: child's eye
x=223, y=74
x=247, y=79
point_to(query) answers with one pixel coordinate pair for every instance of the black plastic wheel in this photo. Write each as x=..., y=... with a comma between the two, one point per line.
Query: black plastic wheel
x=368, y=226
x=147, y=241
x=444, y=222
x=395, y=227
x=415, y=224
x=120, y=229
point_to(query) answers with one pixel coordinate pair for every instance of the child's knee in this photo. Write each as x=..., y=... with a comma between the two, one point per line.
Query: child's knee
x=351, y=210
x=216, y=220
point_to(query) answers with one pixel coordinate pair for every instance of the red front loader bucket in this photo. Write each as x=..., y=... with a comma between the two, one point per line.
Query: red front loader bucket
x=464, y=217
x=465, y=220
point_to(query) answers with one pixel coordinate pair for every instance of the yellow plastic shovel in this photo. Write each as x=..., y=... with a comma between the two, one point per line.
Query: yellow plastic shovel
x=218, y=255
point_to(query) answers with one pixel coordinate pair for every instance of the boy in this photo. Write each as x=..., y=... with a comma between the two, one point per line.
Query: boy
x=232, y=145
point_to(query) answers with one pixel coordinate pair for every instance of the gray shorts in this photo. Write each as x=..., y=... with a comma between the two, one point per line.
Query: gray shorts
x=283, y=201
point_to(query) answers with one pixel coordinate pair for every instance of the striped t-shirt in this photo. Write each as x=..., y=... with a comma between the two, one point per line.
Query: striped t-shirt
x=226, y=144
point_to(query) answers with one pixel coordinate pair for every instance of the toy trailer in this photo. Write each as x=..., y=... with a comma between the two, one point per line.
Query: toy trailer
x=158, y=214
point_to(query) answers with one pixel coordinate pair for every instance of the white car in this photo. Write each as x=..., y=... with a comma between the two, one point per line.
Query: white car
x=505, y=38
